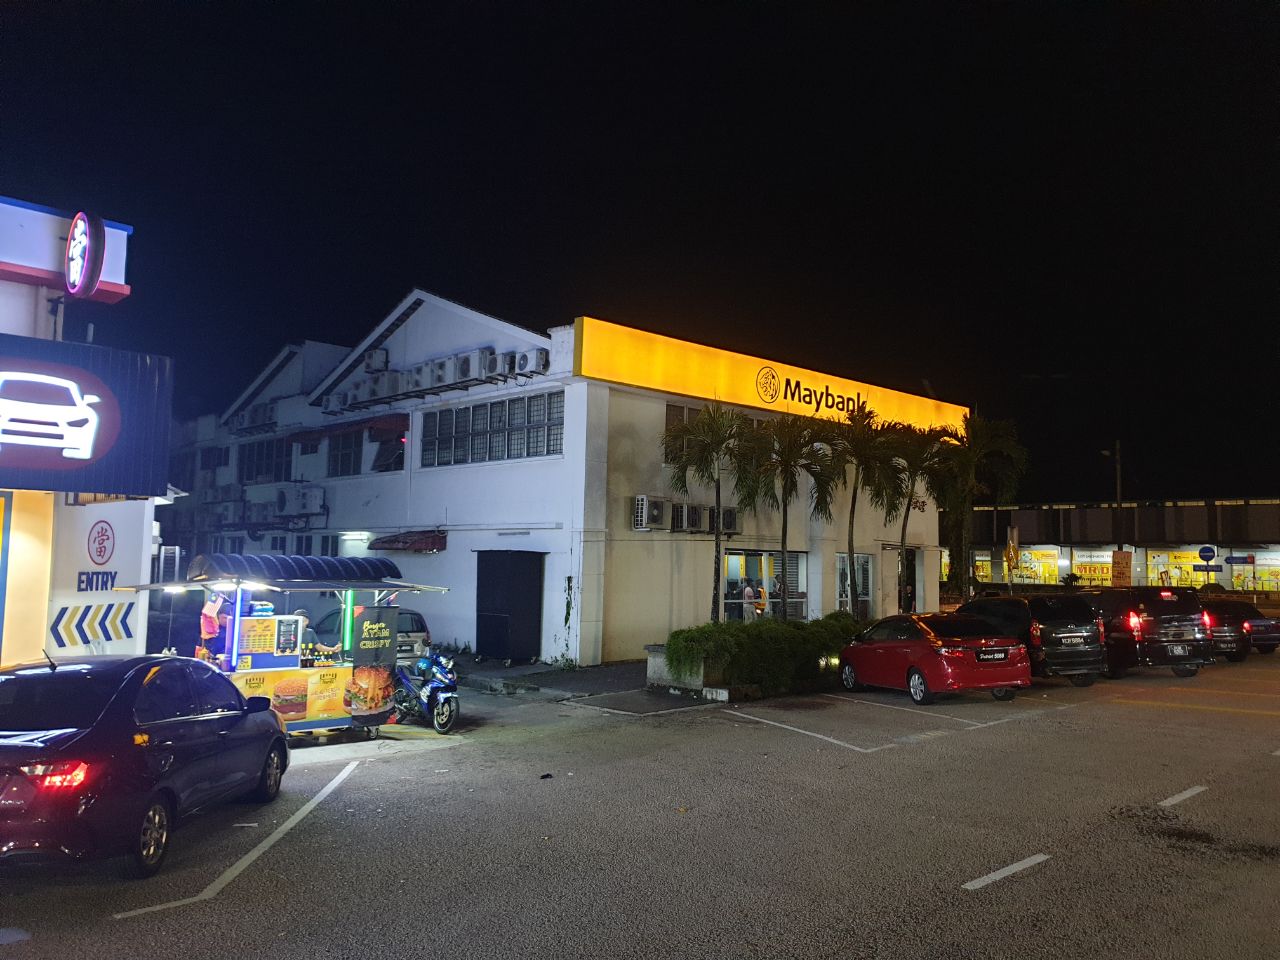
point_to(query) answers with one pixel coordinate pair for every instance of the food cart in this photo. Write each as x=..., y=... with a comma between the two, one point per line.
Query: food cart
x=266, y=654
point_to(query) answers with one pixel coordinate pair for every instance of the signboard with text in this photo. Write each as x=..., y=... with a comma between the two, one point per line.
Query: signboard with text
x=1122, y=568
x=373, y=657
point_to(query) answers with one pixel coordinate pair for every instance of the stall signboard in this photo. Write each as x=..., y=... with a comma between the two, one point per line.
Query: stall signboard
x=1093, y=567
x=303, y=698
x=83, y=419
x=373, y=657
x=1122, y=568
x=269, y=643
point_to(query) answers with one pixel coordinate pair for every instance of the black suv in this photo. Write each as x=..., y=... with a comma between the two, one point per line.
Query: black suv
x=1062, y=633
x=1153, y=627
x=1236, y=626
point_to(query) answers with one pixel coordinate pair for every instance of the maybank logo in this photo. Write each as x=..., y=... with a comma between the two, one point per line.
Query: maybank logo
x=794, y=391
x=767, y=384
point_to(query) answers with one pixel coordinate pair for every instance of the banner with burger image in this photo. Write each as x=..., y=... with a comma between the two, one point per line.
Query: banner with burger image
x=300, y=695
x=373, y=666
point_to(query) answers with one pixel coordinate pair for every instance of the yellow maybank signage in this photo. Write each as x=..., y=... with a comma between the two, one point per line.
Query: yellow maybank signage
x=634, y=358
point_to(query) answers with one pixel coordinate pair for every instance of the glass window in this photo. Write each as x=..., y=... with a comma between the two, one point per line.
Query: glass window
x=537, y=445
x=266, y=461
x=675, y=415
x=444, y=452
x=516, y=412
x=480, y=418
x=214, y=692
x=498, y=415
x=212, y=457
x=409, y=622
x=428, y=453
x=165, y=695
x=1069, y=608
x=881, y=632
x=537, y=411
x=302, y=545
x=555, y=406
x=390, y=455
x=235, y=544
x=461, y=449
x=555, y=438
x=279, y=544
x=329, y=545
x=430, y=424
x=346, y=453
x=461, y=421
x=497, y=446
x=959, y=627
x=479, y=447
x=42, y=700
x=446, y=423
x=515, y=444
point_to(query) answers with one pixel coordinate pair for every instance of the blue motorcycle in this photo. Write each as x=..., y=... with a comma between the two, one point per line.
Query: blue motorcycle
x=428, y=689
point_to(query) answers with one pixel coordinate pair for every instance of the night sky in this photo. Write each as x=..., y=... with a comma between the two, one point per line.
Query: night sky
x=1063, y=213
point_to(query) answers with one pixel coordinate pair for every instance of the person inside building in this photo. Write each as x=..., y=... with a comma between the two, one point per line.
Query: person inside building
x=748, y=601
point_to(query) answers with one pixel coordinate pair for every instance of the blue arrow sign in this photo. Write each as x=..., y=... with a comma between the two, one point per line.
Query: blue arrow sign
x=57, y=622
x=1207, y=553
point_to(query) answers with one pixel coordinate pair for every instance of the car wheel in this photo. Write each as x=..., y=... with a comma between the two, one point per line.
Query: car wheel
x=1185, y=671
x=849, y=677
x=268, y=787
x=1115, y=673
x=1238, y=656
x=1269, y=648
x=150, y=840
x=1083, y=679
x=918, y=687
x=1004, y=694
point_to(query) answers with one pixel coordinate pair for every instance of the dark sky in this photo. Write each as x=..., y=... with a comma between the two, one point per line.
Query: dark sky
x=1064, y=213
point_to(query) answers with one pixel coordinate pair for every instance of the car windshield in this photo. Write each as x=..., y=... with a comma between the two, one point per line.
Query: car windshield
x=1233, y=608
x=1160, y=603
x=36, y=698
x=1046, y=609
x=957, y=628
x=33, y=391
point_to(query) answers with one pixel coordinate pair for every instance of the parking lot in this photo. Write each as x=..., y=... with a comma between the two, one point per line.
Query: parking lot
x=1080, y=822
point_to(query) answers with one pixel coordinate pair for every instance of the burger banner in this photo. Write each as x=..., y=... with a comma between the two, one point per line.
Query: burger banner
x=373, y=666
x=300, y=695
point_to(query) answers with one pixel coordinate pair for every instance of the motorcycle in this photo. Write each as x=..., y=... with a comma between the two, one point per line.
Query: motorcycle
x=428, y=691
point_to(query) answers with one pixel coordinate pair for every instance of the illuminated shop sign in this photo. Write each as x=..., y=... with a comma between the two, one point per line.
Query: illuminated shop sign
x=607, y=351
x=83, y=419
x=82, y=263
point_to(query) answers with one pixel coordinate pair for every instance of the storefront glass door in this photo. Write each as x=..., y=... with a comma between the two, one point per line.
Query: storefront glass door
x=763, y=570
x=854, y=585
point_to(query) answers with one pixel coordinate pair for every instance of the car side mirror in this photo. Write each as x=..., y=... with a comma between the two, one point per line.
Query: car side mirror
x=91, y=398
x=257, y=705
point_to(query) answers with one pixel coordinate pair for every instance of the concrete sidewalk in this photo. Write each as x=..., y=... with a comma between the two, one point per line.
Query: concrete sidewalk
x=559, y=684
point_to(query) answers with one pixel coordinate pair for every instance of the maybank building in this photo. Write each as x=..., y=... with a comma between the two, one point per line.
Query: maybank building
x=524, y=472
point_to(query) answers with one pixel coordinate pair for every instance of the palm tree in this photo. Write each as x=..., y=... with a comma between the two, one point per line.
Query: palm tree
x=704, y=448
x=782, y=451
x=984, y=458
x=864, y=443
x=921, y=456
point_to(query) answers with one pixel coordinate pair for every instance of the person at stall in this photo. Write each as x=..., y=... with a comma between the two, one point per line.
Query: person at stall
x=310, y=640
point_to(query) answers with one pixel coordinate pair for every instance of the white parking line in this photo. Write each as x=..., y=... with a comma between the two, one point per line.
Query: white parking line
x=13, y=935
x=1004, y=872
x=233, y=871
x=894, y=706
x=1179, y=797
x=819, y=736
x=1276, y=754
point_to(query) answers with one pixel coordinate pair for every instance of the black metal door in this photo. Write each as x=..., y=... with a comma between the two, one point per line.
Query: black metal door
x=509, y=604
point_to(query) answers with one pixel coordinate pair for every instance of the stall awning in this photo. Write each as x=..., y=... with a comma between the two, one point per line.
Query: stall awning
x=417, y=541
x=224, y=571
x=387, y=426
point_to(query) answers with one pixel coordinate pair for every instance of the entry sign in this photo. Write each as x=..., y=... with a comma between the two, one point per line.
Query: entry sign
x=1207, y=553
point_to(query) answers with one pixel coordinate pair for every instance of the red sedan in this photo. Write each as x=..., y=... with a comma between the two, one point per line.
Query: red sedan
x=935, y=653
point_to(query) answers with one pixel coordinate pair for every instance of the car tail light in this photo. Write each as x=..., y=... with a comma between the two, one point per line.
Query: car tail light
x=1035, y=633
x=1208, y=620
x=60, y=775
x=1166, y=594
x=1135, y=624
x=1248, y=627
x=1102, y=630
x=951, y=651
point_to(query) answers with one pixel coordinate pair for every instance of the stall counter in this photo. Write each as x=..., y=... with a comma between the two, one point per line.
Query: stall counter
x=307, y=698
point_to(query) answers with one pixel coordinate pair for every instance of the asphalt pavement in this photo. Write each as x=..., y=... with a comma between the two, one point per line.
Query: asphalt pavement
x=1136, y=818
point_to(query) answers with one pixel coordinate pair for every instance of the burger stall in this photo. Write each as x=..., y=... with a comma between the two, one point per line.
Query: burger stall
x=266, y=653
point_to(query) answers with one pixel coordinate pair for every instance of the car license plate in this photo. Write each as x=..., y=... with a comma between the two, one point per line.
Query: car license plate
x=1071, y=641
x=1179, y=650
x=993, y=654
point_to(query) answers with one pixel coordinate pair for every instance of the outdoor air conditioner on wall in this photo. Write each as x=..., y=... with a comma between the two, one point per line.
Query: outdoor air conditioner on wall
x=442, y=372
x=499, y=366
x=375, y=361
x=695, y=518
x=387, y=384
x=649, y=513
x=533, y=361
x=468, y=367
x=679, y=516
x=416, y=378
x=334, y=403
x=361, y=392
x=730, y=517
x=299, y=501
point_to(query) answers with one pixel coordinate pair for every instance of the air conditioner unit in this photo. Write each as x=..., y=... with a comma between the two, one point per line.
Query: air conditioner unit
x=499, y=366
x=361, y=392
x=730, y=517
x=260, y=512
x=375, y=361
x=240, y=421
x=334, y=403
x=312, y=500
x=695, y=518
x=416, y=378
x=230, y=491
x=209, y=495
x=533, y=361
x=442, y=372
x=649, y=513
x=299, y=501
x=681, y=516
x=468, y=367
x=261, y=414
x=228, y=513
x=386, y=384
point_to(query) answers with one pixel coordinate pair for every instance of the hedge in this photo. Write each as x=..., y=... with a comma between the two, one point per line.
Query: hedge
x=779, y=656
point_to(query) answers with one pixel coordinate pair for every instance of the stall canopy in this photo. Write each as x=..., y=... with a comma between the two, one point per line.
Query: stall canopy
x=285, y=573
x=417, y=541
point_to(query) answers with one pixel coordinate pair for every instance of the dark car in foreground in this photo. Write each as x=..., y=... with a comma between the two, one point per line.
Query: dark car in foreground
x=1238, y=626
x=1153, y=627
x=100, y=756
x=935, y=653
x=1062, y=632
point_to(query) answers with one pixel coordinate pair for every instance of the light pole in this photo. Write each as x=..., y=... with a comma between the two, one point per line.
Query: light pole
x=1108, y=453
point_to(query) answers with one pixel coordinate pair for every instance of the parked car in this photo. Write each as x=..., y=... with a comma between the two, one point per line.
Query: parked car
x=1237, y=626
x=100, y=756
x=1153, y=627
x=412, y=635
x=935, y=653
x=1062, y=633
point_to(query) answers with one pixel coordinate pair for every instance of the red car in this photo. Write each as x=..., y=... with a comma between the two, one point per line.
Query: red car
x=935, y=653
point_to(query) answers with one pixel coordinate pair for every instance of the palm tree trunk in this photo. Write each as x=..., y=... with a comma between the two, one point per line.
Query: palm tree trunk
x=715, y=582
x=785, y=504
x=966, y=537
x=902, y=545
x=853, y=511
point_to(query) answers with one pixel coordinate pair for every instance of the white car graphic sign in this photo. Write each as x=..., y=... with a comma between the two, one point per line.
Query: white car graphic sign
x=40, y=411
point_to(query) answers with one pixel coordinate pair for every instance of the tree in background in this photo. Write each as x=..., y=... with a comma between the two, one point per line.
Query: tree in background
x=782, y=451
x=920, y=457
x=704, y=448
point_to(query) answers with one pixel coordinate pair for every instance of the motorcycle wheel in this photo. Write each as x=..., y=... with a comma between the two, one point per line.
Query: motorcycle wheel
x=406, y=708
x=445, y=714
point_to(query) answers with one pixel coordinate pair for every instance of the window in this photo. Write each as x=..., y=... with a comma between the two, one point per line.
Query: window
x=54, y=701
x=498, y=415
x=528, y=426
x=480, y=418
x=537, y=446
x=278, y=544
x=479, y=447
x=555, y=438
x=165, y=695
x=214, y=692
x=516, y=412
x=515, y=444
x=302, y=545
x=409, y=622
x=329, y=545
x=266, y=461
x=390, y=455
x=497, y=446
x=430, y=423
x=308, y=448
x=346, y=453
x=555, y=407
x=537, y=410
x=235, y=545
x=213, y=457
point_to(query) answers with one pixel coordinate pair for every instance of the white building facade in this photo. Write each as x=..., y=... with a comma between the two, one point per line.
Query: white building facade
x=524, y=472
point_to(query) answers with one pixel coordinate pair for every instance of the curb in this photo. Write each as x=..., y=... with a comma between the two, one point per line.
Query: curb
x=511, y=688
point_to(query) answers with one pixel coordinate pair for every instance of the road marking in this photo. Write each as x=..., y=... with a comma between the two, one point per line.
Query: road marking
x=819, y=736
x=1198, y=706
x=894, y=706
x=244, y=824
x=1276, y=754
x=1229, y=693
x=233, y=871
x=1179, y=797
x=13, y=935
x=1004, y=872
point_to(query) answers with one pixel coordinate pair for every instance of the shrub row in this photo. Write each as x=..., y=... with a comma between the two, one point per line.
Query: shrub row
x=779, y=656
